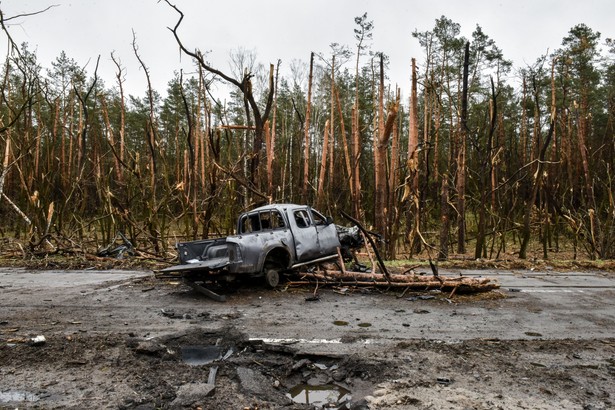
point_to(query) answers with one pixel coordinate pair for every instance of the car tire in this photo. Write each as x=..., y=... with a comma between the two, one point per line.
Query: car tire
x=272, y=278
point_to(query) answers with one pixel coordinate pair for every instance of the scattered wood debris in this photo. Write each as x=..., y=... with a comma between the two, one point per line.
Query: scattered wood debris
x=411, y=281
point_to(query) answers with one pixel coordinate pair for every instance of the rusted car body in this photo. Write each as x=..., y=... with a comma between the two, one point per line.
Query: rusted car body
x=269, y=240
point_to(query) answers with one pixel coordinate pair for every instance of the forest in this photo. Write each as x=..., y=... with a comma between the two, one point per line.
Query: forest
x=482, y=160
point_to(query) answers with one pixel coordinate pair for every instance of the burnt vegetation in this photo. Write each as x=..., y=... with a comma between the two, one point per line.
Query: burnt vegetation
x=483, y=158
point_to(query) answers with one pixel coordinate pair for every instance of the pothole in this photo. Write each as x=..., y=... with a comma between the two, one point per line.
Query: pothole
x=330, y=396
x=277, y=373
x=200, y=355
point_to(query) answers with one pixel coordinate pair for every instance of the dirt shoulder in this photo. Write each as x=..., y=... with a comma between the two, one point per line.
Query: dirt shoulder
x=132, y=341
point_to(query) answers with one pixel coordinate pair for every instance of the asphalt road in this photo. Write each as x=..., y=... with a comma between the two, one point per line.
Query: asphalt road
x=534, y=305
x=543, y=341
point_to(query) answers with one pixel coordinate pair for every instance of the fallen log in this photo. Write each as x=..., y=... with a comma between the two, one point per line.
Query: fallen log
x=458, y=284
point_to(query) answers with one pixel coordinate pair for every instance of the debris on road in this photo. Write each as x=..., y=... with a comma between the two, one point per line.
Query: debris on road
x=38, y=340
x=118, y=248
x=410, y=281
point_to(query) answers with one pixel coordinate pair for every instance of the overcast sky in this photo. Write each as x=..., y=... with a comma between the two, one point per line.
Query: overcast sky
x=283, y=29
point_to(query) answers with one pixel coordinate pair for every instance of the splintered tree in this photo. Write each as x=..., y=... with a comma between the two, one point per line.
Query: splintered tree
x=244, y=85
x=381, y=145
x=271, y=138
x=411, y=186
x=486, y=164
x=438, y=164
x=538, y=168
x=306, y=131
x=581, y=52
x=80, y=162
x=362, y=34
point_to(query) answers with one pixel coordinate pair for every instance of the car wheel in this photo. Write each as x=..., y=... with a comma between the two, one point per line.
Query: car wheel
x=272, y=278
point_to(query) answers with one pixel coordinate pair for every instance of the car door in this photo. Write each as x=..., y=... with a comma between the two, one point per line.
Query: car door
x=258, y=233
x=305, y=234
x=326, y=233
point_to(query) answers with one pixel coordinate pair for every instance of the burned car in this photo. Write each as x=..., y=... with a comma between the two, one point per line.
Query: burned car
x=269, y=240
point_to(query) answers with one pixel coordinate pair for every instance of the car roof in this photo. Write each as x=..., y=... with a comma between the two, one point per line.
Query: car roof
x=277, y=206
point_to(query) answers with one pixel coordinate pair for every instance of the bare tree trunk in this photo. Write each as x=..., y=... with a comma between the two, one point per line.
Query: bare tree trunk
x=5, y=163
x=590, y=202
x=55, y=162
x=75, y=148
x=567, y=140
x=380, y=147
x=356, y=155
x=320, y=194
x=259, y=123
x=197, y=137
x=355, y=146
x=37, y=147
x=306, y=143
x=84, y=108
x=150, y=139
x=110, y=136
x=461, y=159
x=347, y=157
x=523, y=136
x=412, y=179
x=486, y=164
x=436, y=134
x=444, y=219
x=332, y=131
x=214, y=144
x=287, y=159
x=191, y=166
x=67, y=151
x=381, y=177
x=122, y=129
x=393, y=214
x=203, y=131
x=271, y=148
x=526, y=230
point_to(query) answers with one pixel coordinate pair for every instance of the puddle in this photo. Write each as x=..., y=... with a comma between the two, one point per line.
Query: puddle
x=199, y=355
x=17, y=396
x=364, y=324
x=321, y=395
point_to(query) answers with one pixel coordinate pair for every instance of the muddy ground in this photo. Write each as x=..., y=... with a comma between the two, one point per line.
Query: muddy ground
x=126, y=340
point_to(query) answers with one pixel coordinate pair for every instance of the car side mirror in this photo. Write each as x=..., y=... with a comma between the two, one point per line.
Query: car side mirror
x=329, y=220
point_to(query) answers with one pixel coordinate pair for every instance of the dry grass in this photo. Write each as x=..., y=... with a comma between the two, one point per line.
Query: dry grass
x=15, y=253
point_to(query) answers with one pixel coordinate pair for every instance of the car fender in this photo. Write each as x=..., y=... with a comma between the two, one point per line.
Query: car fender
x=279, y=247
